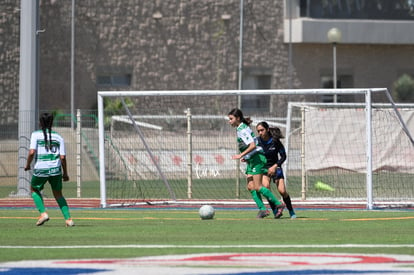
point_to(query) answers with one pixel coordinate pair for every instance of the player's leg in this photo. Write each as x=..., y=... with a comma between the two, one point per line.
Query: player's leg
x=256, y=197
x=36, y=186
x=257, y=166
x=56, y=184
x=254, y=176
x=272, y=199
x=281, y=187
x=266, y=183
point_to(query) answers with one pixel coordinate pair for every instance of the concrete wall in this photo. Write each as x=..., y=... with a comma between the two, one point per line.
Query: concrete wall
x=9, y=60
x=189, y=47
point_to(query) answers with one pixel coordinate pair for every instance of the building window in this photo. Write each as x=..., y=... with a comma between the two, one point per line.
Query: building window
x=113, y=80
x=254, y=80
x=357, y=9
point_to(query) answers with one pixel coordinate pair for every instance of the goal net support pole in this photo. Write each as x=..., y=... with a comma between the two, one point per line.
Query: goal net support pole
x=368, y=128
x=101, y=133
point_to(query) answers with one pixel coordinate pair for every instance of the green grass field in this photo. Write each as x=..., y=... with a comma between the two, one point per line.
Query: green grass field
x=351, y=186
x=121, y=233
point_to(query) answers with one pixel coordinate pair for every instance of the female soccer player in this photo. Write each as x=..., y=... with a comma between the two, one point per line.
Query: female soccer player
x=269, y=140
x=256, y=161
x=50, y=165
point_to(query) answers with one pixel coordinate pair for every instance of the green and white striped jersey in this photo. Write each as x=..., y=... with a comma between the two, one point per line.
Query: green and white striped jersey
x=245, y=136
x=47, y=161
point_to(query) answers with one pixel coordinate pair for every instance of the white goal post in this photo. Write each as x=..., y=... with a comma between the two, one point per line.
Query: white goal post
x=181, y=95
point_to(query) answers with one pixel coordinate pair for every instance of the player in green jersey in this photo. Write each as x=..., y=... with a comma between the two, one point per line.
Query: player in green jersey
x=256, y=161
x=48, y=149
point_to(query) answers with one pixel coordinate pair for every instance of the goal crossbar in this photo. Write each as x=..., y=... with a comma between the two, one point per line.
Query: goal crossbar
x=241, y=92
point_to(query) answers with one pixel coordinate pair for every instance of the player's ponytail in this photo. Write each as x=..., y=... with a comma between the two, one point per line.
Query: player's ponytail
x=276, y=133
x=46, y=121
x=45, y=138
x=50, y=136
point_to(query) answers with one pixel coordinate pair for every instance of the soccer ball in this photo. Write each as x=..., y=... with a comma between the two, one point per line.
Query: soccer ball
x=206, y=212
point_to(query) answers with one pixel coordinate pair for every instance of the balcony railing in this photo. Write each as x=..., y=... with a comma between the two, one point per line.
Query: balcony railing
x=358, y=9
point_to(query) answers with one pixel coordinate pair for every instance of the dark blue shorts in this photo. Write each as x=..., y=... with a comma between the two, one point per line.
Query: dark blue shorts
x=278, y=174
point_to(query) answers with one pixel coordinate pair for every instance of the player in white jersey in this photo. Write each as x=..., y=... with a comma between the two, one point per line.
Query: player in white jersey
x=48, y=149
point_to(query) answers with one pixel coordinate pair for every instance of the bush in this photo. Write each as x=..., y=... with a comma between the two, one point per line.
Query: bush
x=403, y=89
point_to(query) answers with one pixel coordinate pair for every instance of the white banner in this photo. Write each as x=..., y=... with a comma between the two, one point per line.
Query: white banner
x=336, y=138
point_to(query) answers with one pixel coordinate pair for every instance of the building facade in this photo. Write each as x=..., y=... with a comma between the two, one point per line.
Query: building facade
x=195, y=45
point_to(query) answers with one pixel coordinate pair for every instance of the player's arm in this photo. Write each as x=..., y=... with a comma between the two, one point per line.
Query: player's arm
x=282, y=154
x=272, y=169
x=30, y=157
x=252, y=146
x=32, y=152
x=247, y=137
x=65, y=176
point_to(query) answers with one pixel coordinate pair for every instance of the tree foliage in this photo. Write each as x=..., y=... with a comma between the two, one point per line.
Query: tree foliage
x=403, y=89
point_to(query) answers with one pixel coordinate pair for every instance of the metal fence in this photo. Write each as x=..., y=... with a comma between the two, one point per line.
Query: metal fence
x=81, y=142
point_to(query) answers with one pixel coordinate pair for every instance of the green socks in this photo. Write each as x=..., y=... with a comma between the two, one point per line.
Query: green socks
x=258, y=199
x=63, y=207
x=38, y=201
x=269, y=195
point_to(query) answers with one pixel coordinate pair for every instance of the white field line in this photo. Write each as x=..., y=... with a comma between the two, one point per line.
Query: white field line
x=210, y=246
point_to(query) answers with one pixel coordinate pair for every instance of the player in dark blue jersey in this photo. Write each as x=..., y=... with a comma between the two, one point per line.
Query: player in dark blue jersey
x=269, y=140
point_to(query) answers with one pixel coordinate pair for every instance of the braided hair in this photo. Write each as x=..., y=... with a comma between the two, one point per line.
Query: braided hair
x=238, y=113
x=46, y=122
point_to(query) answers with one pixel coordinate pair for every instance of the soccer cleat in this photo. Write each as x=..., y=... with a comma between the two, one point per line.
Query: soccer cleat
x=279, y=210
x=44, y=217
x=70, y=223
x=292, y=214
x=262, y=214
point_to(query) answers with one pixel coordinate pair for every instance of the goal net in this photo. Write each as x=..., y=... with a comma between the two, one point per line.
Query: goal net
x=328, y=152
x=176, y=147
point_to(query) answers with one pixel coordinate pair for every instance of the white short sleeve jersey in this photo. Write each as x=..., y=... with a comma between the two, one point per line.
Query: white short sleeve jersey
x=47, y=161
x=245, y=136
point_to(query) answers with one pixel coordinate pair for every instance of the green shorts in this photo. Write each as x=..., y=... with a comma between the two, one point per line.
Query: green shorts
x=256, y=165
x=38, y=183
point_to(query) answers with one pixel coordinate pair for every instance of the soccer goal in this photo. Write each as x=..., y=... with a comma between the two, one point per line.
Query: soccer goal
x=176, y=146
